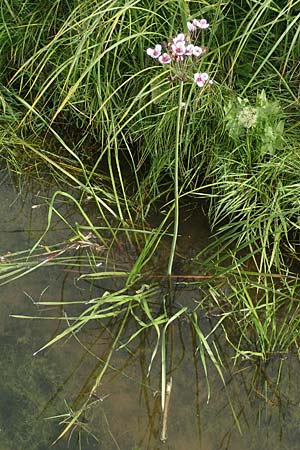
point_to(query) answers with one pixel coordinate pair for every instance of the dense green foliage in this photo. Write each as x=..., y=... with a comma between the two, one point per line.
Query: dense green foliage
x=83, y=66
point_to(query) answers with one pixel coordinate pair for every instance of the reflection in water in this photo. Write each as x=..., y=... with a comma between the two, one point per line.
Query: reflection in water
x=124, y=412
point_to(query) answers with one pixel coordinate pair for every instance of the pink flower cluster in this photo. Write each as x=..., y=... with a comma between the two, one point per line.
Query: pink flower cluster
x=180, y=47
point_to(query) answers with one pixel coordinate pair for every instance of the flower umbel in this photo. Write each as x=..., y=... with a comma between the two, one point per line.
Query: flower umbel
x=248, y=117
x=182, y=55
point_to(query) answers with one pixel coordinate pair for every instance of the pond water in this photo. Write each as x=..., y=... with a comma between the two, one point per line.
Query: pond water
x=257, y=407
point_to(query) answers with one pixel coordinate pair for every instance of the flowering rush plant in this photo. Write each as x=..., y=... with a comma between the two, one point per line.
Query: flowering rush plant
x=180, y=52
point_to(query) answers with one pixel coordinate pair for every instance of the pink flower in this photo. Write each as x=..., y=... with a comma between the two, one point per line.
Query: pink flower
x=201, y=78
x=191, y=27
x=154, y=52
x=202, y=23
x=198, y=79
x=179, y=48
x=197, y=51
x=179, y=38
x=164, y=58
x=189, y=49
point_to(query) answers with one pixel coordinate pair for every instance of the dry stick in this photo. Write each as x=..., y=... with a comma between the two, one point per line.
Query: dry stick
x=163, y=436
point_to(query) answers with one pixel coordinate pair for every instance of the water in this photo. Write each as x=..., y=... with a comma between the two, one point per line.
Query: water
x=258, y=407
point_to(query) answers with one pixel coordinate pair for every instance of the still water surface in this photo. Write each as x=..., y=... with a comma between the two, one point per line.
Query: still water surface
x=126, y=412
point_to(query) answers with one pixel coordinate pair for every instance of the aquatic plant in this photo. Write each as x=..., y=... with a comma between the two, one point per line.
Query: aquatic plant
x=179, y=54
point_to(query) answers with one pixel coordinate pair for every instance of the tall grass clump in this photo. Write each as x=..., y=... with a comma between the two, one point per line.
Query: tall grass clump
x=89, y=68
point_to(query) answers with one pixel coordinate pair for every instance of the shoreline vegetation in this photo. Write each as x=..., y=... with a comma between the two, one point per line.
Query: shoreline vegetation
x=141, y=106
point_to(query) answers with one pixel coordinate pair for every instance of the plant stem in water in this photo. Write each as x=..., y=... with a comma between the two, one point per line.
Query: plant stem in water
x=176, y=193
x=164, y=434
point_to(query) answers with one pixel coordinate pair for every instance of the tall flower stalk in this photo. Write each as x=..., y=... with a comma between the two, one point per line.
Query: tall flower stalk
x=181, y=55
x=176, y=182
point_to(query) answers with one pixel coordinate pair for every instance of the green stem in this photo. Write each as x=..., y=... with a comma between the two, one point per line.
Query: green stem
x=176, y=190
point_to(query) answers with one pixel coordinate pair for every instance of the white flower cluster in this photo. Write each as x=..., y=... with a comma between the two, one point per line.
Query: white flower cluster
x=248, y=117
